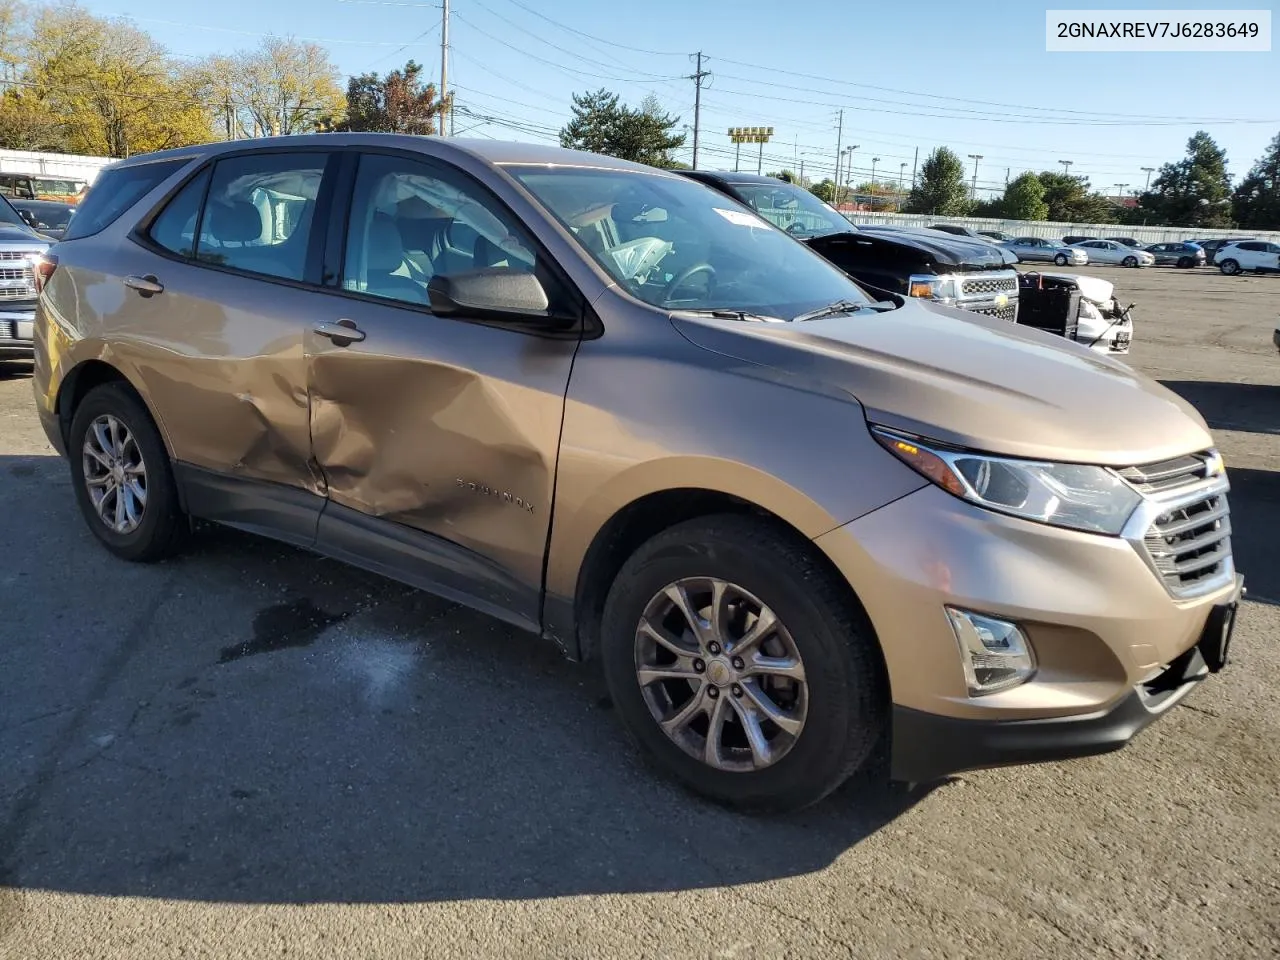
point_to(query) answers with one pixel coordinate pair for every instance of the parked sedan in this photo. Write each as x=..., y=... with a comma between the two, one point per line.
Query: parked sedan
x=1049, y=251
x=1182, y=255
x=1109, y=251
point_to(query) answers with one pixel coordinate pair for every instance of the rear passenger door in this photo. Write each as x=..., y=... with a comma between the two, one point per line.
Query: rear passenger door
x=438, y=437
x=219, y=291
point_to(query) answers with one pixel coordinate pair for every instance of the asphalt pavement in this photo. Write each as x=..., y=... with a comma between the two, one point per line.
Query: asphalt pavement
x=253, y=752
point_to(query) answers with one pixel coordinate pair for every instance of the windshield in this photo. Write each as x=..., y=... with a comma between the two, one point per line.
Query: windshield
x=10, y=215
x=679, y=245
x=793, y=209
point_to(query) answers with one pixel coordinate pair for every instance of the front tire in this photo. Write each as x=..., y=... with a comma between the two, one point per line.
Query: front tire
x=1130, y=261
x=1229, y=267
x=1060, y=259
x=122, y=477
x=741, y=666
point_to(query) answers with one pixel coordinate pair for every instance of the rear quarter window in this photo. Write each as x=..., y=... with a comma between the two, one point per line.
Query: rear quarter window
x=115, y=191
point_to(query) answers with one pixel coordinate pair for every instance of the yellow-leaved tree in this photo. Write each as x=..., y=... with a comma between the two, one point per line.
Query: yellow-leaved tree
x=109, y=86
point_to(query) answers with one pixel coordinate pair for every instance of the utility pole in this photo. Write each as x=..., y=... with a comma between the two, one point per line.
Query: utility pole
x=848, y=172
x=973, y=193
x=1066, y=166
x=697, y=106
x=802, y=173
x=839, y=137
x=1148, y=171
x=914, y=163
x=1006, y=177
x=902, y=175
x=444, y=68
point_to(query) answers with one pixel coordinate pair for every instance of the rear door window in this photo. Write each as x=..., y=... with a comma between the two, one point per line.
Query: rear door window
x=175, y=227
x=115, y=191
x=259, y=213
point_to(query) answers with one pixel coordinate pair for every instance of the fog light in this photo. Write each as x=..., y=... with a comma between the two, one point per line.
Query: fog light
x=995, y=653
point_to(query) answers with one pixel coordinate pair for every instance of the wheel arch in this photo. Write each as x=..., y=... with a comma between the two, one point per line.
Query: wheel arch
x=644, y=517
x=83, y=377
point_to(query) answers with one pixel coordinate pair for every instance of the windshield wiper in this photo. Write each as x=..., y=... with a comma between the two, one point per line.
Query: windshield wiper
x=844, y=306
x=724, y=313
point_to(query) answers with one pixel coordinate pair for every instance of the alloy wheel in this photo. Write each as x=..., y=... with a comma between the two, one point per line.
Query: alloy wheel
x=720, y=674
x=114, y=474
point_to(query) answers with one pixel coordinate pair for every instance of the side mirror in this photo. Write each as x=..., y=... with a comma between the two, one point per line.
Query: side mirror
x=492, y=293
x=28, y=218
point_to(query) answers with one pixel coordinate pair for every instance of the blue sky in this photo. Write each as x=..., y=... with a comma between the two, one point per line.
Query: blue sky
x=972, y=76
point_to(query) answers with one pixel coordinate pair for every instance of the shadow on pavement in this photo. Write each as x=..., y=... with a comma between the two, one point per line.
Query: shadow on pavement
x=248, y=722
x=1248, y=407
x=1255, y=516
x=15, y=370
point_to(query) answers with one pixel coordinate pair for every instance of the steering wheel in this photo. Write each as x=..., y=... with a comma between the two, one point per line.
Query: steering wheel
x=687, y=274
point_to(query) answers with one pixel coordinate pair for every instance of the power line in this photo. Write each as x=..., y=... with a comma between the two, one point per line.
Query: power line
x=988, y=103
x=254, y=33
x=564, y=50
x=610, y=43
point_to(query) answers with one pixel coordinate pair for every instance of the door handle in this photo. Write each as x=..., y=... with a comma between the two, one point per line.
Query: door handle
x=147, y=286
x=341, y=332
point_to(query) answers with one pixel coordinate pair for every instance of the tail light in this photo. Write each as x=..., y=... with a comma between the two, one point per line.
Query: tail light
x=42, y=268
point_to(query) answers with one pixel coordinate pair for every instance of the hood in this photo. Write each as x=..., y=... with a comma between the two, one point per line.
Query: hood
x=974, y=381
x=941, y=249
x=10, y=233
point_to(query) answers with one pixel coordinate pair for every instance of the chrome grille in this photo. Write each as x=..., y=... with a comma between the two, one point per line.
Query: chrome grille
x=1187, y=534
x=1008, y=312
x=988, y=286
x=17, y=280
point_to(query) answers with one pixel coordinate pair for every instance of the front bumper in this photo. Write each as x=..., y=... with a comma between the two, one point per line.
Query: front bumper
x=17, y=337
x=928, y=747
x=1100, y=621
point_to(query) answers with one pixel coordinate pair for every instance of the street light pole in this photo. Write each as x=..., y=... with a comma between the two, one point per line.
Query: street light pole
x=973, y=193
x=848, y=171
x=902, y=176
x=1148, y=171
x=1066, y=166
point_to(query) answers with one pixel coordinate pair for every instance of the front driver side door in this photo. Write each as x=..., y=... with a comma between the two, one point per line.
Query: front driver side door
x=438, y=437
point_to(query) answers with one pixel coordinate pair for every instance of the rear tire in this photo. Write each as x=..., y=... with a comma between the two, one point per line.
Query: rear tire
x=1185, y=263
x=1130, y=261
x=839, y=691
x=130, y=500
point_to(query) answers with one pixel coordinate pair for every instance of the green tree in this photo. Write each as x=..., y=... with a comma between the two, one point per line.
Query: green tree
x=1195, y=191
x=397, y=103
x=992, y=208
x=940, y=189
x=1070, y=200
x=1256, y=202
x=1024, y=199
x=601, y=123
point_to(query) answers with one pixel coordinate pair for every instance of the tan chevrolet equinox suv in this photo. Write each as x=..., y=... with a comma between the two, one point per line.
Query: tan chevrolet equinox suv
x=801, y=528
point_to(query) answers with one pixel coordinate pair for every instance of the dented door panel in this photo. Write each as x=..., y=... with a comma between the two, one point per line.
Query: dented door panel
x=220, y=358
x=444, y=426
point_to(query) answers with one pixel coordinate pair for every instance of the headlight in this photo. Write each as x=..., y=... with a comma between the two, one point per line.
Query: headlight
x=1075, y=496
x=931, y=287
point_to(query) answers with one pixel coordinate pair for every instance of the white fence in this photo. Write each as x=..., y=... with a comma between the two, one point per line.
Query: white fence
x=1051, y=230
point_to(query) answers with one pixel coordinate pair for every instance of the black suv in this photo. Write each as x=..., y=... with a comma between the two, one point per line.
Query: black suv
x=974, y=275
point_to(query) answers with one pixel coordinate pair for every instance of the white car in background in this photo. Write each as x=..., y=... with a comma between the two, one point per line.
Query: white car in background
x=1110, y=251
x=1259, y=255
